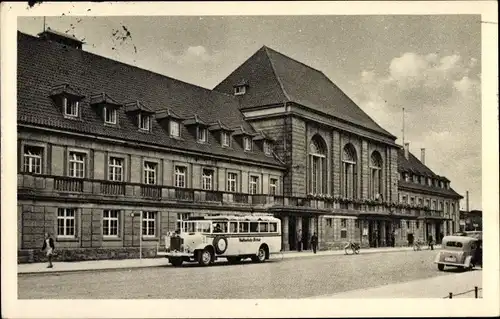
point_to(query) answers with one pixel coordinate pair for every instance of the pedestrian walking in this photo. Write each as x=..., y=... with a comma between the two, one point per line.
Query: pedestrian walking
x=314, y=242
x=430, y=240
x=48, y=246
x=393, y=238
x=299, y=240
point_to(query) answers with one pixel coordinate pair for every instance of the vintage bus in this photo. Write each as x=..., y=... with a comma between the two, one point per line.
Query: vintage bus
x=205, y=239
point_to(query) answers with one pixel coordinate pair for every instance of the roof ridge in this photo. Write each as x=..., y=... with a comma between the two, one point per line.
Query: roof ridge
x=275, y=73
x=136, y=67
x=295, y=60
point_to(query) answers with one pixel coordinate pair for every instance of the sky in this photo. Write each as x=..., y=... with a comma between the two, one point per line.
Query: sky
x=430, y=65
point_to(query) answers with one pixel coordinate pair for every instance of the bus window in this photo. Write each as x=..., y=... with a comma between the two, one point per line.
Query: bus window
x=219, y=227
x=203, y=227
x=243, y=227
x=254, y=227
x=273, y=227
x=189, y=227
x=263, y=227
x=233, y=227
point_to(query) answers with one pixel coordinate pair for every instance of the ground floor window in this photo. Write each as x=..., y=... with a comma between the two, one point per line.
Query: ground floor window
x=66, y=222
x=110, y=222
x=149, y=223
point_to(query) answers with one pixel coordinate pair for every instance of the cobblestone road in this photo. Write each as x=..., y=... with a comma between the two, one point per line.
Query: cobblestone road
x=288, y=278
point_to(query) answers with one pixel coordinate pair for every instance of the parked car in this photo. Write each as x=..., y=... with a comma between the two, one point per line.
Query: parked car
x=459, y=251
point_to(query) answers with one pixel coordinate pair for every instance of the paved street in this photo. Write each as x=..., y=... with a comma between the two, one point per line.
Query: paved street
x=288, y=278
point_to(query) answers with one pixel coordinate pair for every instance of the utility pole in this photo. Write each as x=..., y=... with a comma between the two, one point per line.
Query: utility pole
x=403, y=126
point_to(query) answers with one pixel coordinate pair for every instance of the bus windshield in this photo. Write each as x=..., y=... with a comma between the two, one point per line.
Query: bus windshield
x=196, y=226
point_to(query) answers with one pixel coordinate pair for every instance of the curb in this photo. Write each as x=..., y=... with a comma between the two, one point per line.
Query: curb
x=276, y=256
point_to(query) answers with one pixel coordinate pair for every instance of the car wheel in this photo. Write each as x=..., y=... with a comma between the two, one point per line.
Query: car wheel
x=205, y=257
x=440, y=267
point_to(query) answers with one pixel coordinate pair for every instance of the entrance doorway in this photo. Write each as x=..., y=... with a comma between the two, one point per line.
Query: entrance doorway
x=292, y=233
x=388, y=233
x=439, y=236
x=305, y=233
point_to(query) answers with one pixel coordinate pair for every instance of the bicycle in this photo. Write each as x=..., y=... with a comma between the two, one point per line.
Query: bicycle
x=353, y=247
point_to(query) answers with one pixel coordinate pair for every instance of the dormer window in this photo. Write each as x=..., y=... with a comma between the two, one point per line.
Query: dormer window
x=240, y=90
x=226, y=139
x=109, y=115
x=202, y=135
x=174, y=129
x=267, y=148
x=247, y=143
x=144, y=122
x=70, y=107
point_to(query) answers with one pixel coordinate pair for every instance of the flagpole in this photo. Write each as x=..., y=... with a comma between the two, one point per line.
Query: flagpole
x=403, y=125
x=43, y=24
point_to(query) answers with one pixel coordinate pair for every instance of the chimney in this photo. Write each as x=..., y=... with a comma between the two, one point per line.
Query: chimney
x=407, y=150
x=62, y=38
x=467, y=201
x=422, y=155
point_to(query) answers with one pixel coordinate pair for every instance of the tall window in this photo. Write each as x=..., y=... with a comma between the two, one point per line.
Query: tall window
x=202, y=135
x=181, y=217
x=70, y=107
x=343, y=228
x=349, y=167
x=441, y=208
x=273, y=186
x=427, y=203
x=150, y=173
x=109, y=115
x=254, y=184
x=207, y=179
x=447, y=207
x=376, y=175
x=174, y=129
x=33, y=159
x=225, y=139
x=232, y=179
x=110, y=222
x=180, y=176
x=76, y=165
x=115, y=169
x=317, y=162
x=149, y=224
x=66, y=222
x=247, y=142
x=267, y=148
x=144, y=122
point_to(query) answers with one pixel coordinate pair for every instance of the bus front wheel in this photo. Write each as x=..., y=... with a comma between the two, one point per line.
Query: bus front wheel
x=261, y=255
x=205, y=257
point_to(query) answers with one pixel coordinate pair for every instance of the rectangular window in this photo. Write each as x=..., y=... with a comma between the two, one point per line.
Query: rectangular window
x=226, y=139
x=343, y=233
x=418, y=224
x=207, y=178
x=356, y=223
x=181, y=217
x=273, y=186
x=427, y=203
x=76, y=165
x=239, y=90
x=174, y=129
x=247, y=144
x=180, y=176
x=144, y=122
x=267, y=148
x=150, y=173
x=109, y=115
x=329, y=222
x=244, y=227
x=404, y=199
x=66, y=222
x=233, y=227
x=412, y=201
x=33, y=159
x=202, y=135
x=254, y=227
x=115, y=169
x=110, y=222
x=273, y=227
x=231, y=182
x=343, y=223
x=254, y=184
x=70, y=107
x=420, y=202
x=149, y=224
x=263, y=227
x=433, y=204
x=407, y=224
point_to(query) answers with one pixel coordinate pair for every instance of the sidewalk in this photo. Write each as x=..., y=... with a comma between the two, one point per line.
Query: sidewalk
x=435, y=287
x=35, y=268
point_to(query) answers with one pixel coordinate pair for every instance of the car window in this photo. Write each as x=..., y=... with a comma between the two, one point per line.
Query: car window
x=454, y=244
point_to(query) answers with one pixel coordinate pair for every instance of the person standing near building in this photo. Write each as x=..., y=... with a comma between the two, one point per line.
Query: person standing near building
x=430, y=241
x=393, y=238
x=48, y=245
x=314, y=242
x=299, y=240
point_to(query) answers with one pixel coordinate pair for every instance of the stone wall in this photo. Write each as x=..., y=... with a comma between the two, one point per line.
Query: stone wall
x=83, y=254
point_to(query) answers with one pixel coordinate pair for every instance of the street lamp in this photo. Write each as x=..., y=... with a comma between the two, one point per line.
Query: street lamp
x=135, y=214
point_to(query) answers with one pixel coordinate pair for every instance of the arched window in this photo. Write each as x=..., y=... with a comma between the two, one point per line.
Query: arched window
x=349, y=160
x=317, y=164
x=376, y=176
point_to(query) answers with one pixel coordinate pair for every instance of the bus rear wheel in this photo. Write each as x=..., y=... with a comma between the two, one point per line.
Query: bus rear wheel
x=205, y=257
x=261, y=255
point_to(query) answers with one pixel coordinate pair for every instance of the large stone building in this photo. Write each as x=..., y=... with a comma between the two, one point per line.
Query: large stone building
x=100, y=141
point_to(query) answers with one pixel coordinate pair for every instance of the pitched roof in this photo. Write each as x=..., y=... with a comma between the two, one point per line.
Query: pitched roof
x=41, y=63
x=275, y=78
x=415, y=166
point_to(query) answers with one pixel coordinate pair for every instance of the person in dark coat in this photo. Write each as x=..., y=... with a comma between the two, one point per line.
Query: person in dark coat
x=48, y=246
x=299, y=240
x=430, y=241
x=314, y=242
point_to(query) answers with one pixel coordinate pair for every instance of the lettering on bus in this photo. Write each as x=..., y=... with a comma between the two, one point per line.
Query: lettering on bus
x=249, y=239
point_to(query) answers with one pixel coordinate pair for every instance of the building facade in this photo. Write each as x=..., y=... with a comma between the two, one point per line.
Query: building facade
x=110, y=154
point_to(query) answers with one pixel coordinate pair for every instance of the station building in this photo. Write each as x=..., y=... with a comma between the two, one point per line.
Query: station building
x=101, y=142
